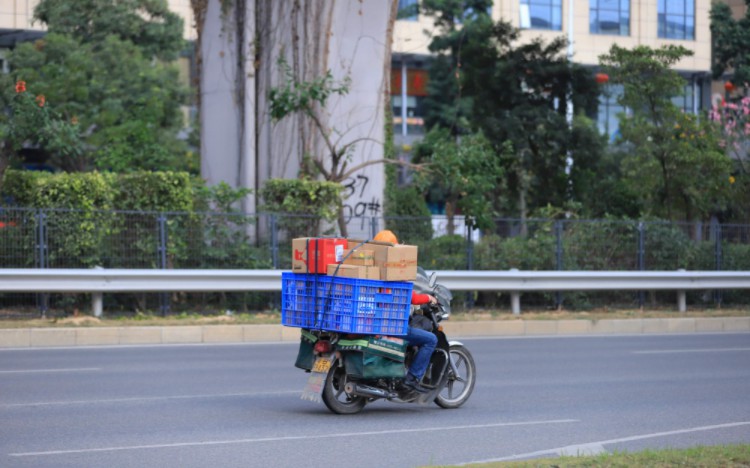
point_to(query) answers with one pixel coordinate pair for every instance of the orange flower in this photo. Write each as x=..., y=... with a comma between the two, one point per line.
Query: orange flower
x=40, y=100
x=20, y=86
x=74, y=120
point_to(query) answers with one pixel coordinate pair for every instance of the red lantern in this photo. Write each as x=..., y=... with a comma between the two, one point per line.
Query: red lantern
x=728, y=87
x=601, y=78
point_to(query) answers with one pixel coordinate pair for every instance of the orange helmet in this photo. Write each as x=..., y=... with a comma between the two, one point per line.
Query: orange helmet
x=386, y=236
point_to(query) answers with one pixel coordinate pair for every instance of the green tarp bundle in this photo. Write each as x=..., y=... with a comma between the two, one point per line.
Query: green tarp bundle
x=368, y=357
x=374, y=357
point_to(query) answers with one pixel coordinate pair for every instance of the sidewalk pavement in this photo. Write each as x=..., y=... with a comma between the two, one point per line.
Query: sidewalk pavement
x=105, y=336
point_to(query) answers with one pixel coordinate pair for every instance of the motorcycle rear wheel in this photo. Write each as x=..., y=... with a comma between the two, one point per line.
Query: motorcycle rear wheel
x=334, y=396
x=460, y=385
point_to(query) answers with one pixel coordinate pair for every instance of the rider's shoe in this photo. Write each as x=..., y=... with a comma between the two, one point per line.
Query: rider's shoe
x=412, y=383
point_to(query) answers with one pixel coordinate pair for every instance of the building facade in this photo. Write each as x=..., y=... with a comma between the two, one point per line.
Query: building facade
x=591, y=27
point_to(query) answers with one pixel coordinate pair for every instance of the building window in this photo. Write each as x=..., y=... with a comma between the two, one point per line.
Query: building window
x=691, y=97
x=408, y=10
x=414, y=112
x=407, y=99
x=677, y=19
x=610, y=17
x=541, y=14
x=609, y=110
x=471, y=13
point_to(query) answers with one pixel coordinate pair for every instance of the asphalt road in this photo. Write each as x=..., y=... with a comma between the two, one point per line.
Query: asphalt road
x=239, y=405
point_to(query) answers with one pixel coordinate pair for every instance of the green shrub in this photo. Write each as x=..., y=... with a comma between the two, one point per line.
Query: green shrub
x=76, y=225
x=667, y=247
x=600, y=245
x=408, y=215
x=303, y=202
x=444, y=253
x=536, y=252
x=154, y=191
x=20, y=186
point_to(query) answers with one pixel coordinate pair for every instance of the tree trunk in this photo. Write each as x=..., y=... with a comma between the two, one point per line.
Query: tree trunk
x=522, y=205
x=450, y=214
x=4, y=162
x=342, y=222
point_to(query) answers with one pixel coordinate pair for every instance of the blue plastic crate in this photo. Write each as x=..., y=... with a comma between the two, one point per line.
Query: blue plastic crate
x=347, y=305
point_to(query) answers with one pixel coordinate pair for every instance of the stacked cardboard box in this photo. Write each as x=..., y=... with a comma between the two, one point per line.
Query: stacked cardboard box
x=350, y=258
x=395, y=262
x=314, y=254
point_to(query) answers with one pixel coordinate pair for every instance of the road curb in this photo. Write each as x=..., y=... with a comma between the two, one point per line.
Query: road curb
x=191, y=334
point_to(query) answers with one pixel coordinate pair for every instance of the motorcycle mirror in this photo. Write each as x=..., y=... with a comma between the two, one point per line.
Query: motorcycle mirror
x=433, y=279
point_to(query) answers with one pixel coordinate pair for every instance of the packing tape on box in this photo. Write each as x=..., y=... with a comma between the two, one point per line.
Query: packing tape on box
x=402, y=263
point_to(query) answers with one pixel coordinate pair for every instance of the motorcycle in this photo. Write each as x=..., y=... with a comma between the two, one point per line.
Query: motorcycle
x=350, y=371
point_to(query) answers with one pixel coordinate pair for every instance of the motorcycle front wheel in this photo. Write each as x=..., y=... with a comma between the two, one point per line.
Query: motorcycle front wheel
x=461, y=383
x=334, y=396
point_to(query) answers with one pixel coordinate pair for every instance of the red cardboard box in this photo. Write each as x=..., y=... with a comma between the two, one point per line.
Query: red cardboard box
x=314, y=254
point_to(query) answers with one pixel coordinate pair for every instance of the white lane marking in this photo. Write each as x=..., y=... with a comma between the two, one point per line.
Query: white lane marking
x=290, y=438
x=582, y=448
x=157, y=398
x=36, y=371
x=695, y=350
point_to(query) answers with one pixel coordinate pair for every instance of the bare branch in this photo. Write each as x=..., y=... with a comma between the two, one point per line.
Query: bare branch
x=322, y=168
x=356, y=168
x=323, y=130
x=357, y=140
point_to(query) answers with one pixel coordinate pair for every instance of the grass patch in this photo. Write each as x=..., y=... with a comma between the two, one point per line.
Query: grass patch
x=729, y=456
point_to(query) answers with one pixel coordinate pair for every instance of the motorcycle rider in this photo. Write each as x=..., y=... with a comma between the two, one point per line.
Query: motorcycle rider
x=423, y=339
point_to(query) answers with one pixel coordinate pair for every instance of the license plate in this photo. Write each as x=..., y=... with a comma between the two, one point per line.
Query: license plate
x=322, y=364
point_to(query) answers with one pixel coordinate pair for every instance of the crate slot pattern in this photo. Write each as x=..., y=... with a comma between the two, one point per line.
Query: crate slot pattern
x=349, y=305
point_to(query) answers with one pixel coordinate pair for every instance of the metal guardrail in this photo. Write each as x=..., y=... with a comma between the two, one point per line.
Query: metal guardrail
x=135, y=280
x=98, y=281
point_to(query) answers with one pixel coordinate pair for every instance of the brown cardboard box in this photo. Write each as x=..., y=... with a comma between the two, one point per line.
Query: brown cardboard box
x=313, y=255
x=361, y=257
x=400, y=263
x=397, y=262
x=354, y=271
x=373, y=273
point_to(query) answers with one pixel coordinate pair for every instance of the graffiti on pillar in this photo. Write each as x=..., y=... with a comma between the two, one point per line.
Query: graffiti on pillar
x=355, y=206
x=352, y=183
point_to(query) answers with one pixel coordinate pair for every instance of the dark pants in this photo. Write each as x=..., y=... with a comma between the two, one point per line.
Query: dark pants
x=426, y=342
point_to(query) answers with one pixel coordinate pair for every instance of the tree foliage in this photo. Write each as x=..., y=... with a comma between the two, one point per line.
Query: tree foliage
x=461, y=24
x=731, y=43
x=30, y=121
x=672, y=160
x=147, y=24
x=99, y=70
x=513, y=91
x=127, y=106
x=469, y=173
x=733, y=118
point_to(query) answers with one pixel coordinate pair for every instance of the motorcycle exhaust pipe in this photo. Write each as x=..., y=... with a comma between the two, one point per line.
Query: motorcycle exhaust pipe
x=352, y=388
